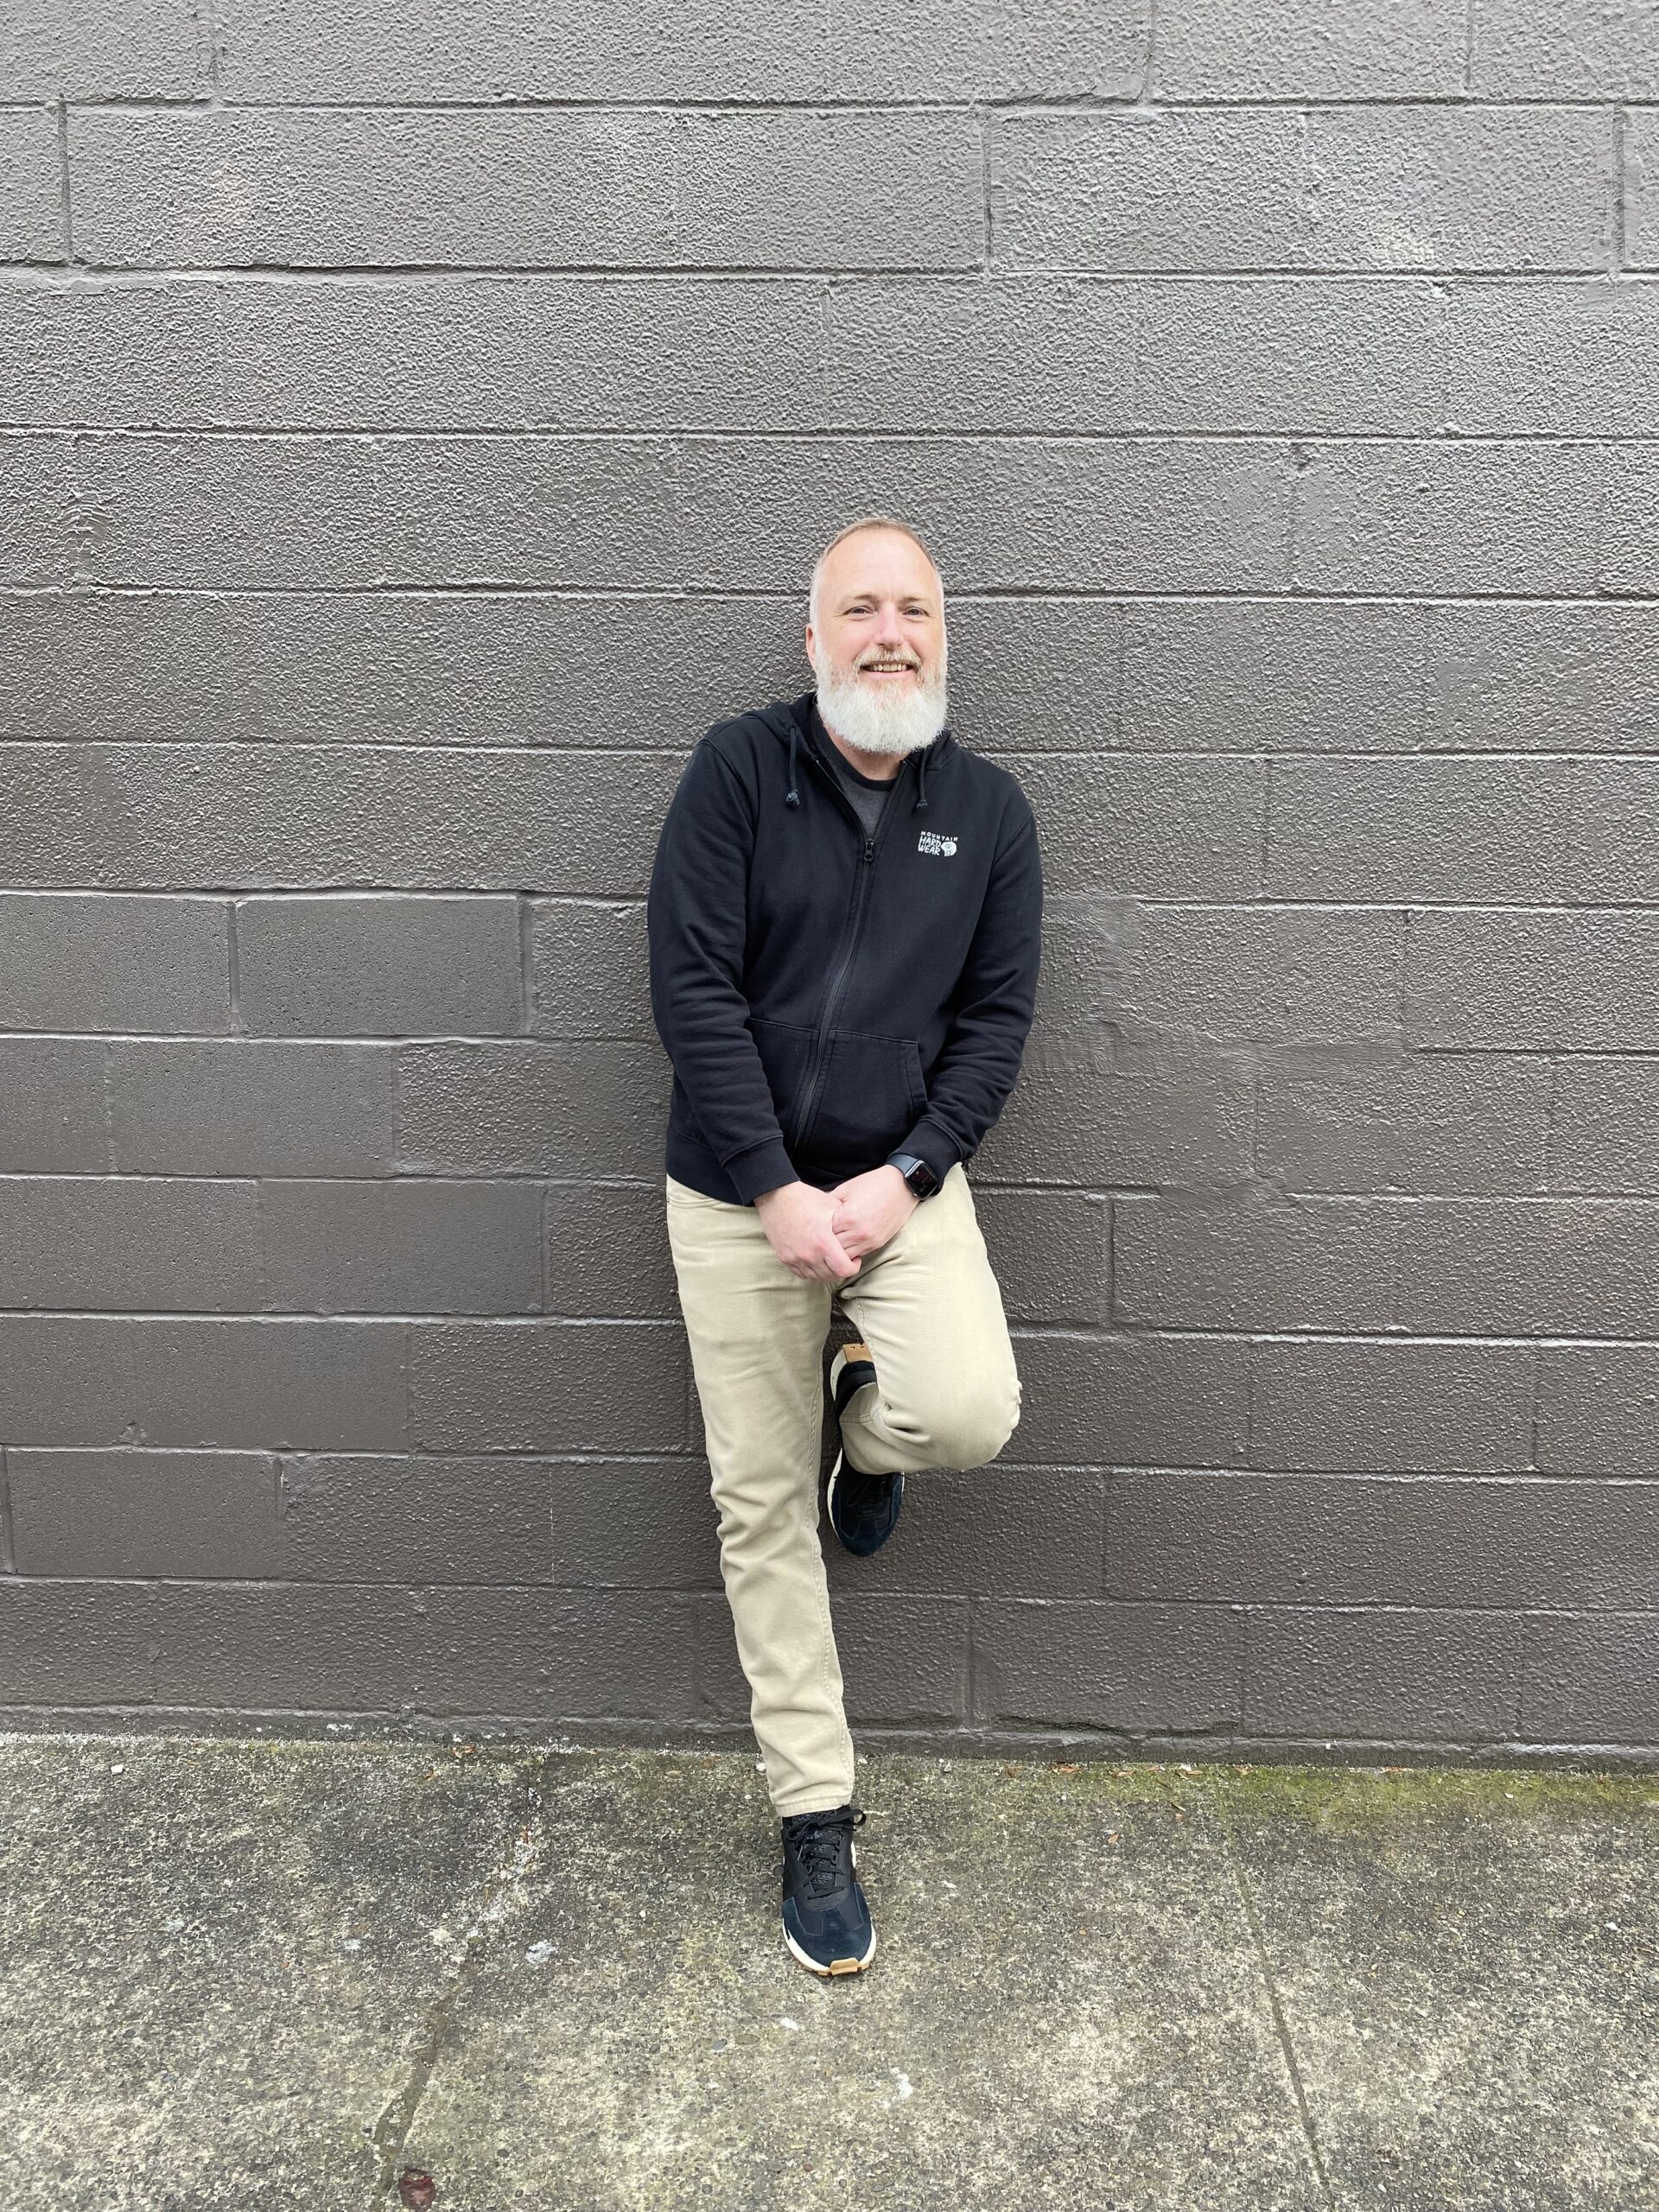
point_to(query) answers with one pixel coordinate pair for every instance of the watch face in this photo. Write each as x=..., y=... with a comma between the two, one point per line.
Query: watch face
x=922, y=1180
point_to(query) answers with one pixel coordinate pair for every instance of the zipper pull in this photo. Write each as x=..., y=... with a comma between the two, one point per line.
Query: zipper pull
x=869, y=848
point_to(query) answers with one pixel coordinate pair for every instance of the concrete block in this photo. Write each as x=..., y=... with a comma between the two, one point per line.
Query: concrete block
x=1630, y=561
x=37, y=511
x=337, y=512
x=115, y=668
x=64, y=1644
x=1301, y=676
x=191, y=1514
x=479, y=51
x=530, y=511
x=372, y=188
x=379, y=966
x=624, y=1523
x=159, y=1244
x=1051, y=1253
x=546, y=1386
x=903, y=1660
x=1357, y=1120
x=606, y=1252
x=1591, y=1679
x=1095, y=1108
x=1082, y=945
x=1435, y=829
x=239, y=1106
x=1456, y=187
x=1130, y=1401
x=110, y=356
x=65, y=1379
x=1016, y=353
x=520, y=351
x=588, y=966
x=1006, y=513
x=1327, y=1540
x=74, y=961
x=1155, y=829
x=1532, y=678
x=941, y=49
x=1533, y=1267
x=1261, y=974
x=1133, y=1670
x=1180, y=1261
x=1641, y=184
x=1323, y=353
x=269, y=1384
x=31, y=222
x=1605, y=1130
x=388, y=1519
x=277, y=1647
x=1170, y=188
x=147, y=49
x=1448, y=518
x=1013, y=1533
x=1336, y=1404
x=767, y=188
x=402, y=1247
x=1533, y=980
x=53, y=1122
x=1371, y=1674
x=1552, y=360
x=489, y=669
x=1598, y=1409
x=561, y=1109
x=1295, y=49
x=307, y=817
x=1581, y=49
x=554, y=1655
x=1021, y=669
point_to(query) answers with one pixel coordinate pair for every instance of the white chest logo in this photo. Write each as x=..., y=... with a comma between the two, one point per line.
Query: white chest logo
x=931, y=842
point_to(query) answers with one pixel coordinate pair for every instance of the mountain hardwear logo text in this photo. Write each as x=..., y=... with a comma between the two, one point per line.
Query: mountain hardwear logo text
x=931, y=842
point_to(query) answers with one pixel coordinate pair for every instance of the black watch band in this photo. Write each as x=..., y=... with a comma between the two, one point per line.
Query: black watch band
x=920, y=1177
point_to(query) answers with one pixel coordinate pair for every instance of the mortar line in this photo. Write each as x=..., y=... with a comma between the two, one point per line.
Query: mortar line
x=7, y=1549
x=1468, y=47
x=1281, y=2026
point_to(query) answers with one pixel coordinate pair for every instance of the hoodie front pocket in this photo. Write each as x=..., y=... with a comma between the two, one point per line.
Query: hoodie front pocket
x=871, y=1095
x=784, y=1048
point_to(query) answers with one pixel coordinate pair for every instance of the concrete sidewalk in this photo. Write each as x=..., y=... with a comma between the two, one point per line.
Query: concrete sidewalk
x=351, y=1974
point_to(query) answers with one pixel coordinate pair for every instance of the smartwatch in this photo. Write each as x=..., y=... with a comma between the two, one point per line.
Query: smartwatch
x=919, y=1177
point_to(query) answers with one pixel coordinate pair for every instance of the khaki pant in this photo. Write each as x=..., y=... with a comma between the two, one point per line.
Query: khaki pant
x=946, y=1394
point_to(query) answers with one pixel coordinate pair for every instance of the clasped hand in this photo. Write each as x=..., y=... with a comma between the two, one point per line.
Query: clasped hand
x=823, y=1236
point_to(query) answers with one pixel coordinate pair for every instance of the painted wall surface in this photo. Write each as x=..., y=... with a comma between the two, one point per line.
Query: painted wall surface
x=418, y=421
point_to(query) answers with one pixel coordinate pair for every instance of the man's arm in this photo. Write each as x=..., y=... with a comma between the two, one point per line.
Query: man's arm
x=697, y=927
x=993, y=1005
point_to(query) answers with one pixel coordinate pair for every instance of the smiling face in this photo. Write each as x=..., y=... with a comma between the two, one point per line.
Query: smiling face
x=876, y=642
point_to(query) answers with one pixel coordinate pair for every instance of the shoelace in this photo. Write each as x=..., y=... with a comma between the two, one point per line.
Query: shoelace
x=818, y=1845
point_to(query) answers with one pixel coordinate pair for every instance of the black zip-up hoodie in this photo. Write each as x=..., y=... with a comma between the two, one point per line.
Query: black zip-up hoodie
x=827, y=997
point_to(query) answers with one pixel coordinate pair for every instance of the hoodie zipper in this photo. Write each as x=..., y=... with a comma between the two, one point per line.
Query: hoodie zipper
x=843, y=969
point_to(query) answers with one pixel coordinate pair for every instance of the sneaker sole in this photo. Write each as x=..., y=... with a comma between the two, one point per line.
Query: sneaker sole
x=835, y=1966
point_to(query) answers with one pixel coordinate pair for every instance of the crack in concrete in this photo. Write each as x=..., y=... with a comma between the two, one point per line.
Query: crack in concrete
x=1281, y=2026
x=506, y=1891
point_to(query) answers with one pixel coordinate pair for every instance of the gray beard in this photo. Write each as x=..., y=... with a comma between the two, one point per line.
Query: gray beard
x=871, y=721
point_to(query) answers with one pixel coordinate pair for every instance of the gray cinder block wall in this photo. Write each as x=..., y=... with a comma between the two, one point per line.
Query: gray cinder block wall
x=417, y=423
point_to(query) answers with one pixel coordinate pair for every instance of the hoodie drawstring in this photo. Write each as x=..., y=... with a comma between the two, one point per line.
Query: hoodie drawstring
x=792, y=797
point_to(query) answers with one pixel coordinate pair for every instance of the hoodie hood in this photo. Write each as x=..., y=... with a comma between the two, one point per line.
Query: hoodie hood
x=790, y=721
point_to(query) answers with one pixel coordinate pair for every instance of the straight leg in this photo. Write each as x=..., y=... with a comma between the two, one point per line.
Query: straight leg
x=927, y=1304
x=757, y=1334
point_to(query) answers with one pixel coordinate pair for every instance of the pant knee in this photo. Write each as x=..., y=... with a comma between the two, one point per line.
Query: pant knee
x=972, y=1434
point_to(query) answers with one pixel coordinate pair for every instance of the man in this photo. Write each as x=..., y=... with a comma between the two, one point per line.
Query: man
x=844, y=922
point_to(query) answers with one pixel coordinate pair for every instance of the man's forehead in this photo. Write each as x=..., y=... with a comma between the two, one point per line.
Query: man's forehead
x=877, y=557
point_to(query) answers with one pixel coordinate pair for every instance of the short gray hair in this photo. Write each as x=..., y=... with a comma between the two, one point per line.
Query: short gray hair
x=852, y=528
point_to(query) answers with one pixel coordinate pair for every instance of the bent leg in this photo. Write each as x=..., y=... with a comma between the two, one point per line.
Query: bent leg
x=927, y=1304
x=756, y=1334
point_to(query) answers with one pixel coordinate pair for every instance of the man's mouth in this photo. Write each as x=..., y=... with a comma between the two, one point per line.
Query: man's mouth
x=886, y=668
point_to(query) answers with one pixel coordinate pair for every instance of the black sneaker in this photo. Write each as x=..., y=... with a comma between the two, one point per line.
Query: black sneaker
x=863, y=1509
x=826, y=1919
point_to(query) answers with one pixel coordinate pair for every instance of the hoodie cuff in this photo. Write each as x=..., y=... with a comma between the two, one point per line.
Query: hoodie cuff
x=763, y=1167
x=930, y=1142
